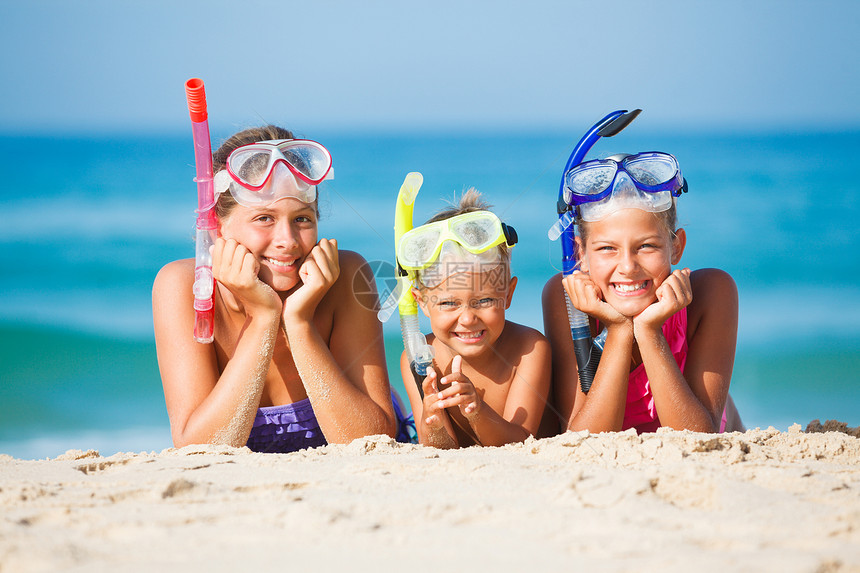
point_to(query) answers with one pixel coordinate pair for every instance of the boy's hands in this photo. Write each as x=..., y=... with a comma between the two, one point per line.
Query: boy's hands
x=460, y=393
x=431, y=400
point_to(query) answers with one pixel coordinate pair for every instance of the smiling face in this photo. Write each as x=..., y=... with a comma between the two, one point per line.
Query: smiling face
x=467, y=310
x=628, y=255
x=280, y=235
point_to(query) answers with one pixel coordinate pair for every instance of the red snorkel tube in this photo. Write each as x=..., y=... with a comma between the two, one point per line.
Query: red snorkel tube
x=204, y=280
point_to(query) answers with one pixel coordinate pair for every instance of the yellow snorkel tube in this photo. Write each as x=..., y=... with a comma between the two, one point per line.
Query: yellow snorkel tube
x=419, y=353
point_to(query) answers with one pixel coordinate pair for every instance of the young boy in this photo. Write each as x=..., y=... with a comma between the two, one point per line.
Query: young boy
x=490, y=377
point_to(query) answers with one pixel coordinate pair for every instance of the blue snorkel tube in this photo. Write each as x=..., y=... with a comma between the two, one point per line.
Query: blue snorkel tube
x=587, y=351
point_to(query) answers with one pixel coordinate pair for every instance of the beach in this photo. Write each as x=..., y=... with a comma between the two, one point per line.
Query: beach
x=754, y=100
x=763, y=500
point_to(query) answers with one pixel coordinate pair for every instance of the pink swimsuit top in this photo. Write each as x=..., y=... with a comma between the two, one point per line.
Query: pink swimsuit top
x=640, y=412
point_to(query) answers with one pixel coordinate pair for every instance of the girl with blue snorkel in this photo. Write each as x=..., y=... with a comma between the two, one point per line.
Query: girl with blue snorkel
x=668, y=336
x=297, y=361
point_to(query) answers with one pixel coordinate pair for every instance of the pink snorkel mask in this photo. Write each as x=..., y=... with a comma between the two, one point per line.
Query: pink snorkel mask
x=267, y=171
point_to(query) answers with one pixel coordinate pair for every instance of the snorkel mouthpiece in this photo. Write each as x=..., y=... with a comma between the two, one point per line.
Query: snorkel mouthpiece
x=406, y=199
x=614, y=126
x=195, y=93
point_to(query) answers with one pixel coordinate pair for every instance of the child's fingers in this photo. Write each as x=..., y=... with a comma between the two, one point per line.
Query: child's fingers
x=458, y=400
x=569, y=284
x=233, y=254
x=454, y=377
x=676, y=289
x=249, y=265
x=455, y=388
x=458, y=394
x=233, y=264
x=457, y=364
x=309, y=270
x=329, y=247
x=584, y=294
x=326, y=256
x=429, y=383
x=322, y=264
x=686, y=286
x=579, y=281
x=582, y=291
x=238, y=257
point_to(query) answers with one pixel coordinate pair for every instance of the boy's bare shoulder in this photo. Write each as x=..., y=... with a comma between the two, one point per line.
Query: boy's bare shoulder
x=524, y=345
x=520, y=335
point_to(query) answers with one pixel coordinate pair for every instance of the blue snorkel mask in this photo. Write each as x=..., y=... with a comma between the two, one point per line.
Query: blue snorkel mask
x=587, y=351
x=647, y=181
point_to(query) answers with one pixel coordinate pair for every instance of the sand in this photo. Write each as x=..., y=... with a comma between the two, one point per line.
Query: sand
x=763, y=500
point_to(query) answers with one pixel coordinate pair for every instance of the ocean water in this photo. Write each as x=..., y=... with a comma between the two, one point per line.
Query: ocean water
x=88, y=221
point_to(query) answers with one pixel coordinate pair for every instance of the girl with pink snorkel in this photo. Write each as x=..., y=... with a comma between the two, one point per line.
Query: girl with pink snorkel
x=296, y=360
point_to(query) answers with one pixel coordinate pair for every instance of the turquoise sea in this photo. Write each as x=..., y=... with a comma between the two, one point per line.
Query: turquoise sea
x=87, y=221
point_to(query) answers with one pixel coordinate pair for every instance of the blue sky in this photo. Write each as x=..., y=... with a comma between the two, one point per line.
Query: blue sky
x=111, y=65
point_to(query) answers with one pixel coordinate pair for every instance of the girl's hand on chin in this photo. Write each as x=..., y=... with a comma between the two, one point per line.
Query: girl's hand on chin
x=587, y=297
x=236, y=268
x=318, y=273
x=673, y=294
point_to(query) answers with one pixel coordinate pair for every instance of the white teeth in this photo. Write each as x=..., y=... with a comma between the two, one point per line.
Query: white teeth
x=630, y=287
x=475, y=334
x=278, y=263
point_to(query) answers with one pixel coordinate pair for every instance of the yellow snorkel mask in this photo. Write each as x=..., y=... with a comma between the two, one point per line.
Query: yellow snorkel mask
x=476, y=232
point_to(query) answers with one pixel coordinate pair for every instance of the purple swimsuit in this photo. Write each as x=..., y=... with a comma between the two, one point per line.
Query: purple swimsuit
x=294, y=427
x=287, y=428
